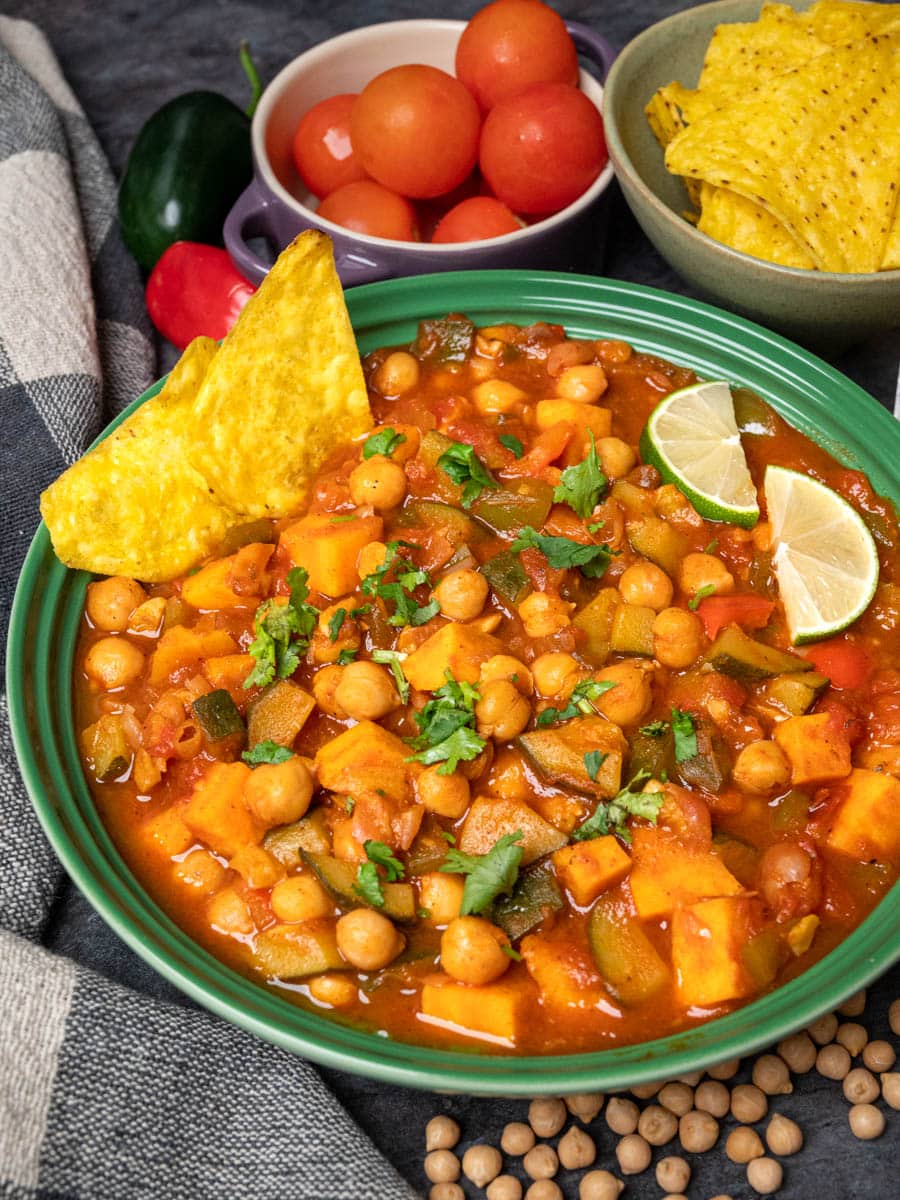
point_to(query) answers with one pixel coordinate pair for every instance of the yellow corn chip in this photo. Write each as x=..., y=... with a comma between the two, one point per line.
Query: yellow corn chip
x=838, y=21
x=743, y=225
x=285, y=387
x=134, y=505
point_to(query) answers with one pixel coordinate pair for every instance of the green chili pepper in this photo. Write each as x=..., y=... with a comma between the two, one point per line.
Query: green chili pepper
x=189, y=164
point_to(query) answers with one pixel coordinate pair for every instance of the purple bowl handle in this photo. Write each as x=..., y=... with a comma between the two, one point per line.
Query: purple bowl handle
x=248, y=218
x=593, y=46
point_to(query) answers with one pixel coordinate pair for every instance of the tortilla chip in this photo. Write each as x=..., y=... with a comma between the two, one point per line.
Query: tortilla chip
x=285, y=388
x=134, y=505
x=743, y=225
x=817, y=147
x=838, y=21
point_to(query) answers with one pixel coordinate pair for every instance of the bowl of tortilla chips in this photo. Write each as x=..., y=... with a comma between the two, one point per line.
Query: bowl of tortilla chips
x=758, y=146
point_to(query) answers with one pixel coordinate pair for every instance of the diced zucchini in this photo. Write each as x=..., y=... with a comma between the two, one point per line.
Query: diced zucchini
x=632, y=630
x=508, y=511
x=432, y=446
x=737, y=654
x=507, y=576
x=445, y=339
x=492, y=817
x=558, y=753
x=710, y=767
x=630, y=964
x=455, y=525
x=596, y=620
x=535, y=895
x=218, y=715
x=428, y=851
x=309, y=833
x=636, y=501
x=795, y=693
x=653, y=754
x=296, y=951
x=741, y=859
x=278, y=714
x=106, y=748
x=244, y=535
x=764, y=955
x=339, y=880
x=791, y=812
x=657, y=540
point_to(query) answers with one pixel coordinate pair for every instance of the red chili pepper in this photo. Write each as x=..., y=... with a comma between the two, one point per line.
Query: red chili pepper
x=195, y=291
x=751, y=612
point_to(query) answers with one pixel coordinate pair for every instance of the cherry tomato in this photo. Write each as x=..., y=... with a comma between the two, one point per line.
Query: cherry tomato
x=511, y=44
x=366, y=207
x=415, y=129
x=323, y=153
x=542, y=148
x=475, y=219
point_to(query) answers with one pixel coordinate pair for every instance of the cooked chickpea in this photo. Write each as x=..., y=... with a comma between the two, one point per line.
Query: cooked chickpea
x=555, y=673
x=698, y=1131
x=879, y=1056
x=852, y=1037
x=866, y=1121
x=712, y=1097
x=481, y=1164
x=584, y=1105
x=616, y=457
x=200, y=870
x=446, y=795
x=300, y=898
x=547, y=1115
x=257, y=867
x=544, y=1189
x=726, y=1070
x=110, y=602
x=541, y=1162
x=366, y=691
x=462, y=594
x=517, y=1138
x=657, y=1125
x=370, y=558
x=860, y=1086
x=771, y=1075
x=799, y=1052
x=576, y=1149
x=504, y=1187
x=497, y=396
x=441, y=896
x=324, y=686
x=890, y=1088
x=398, y=373
x=585, y=383
x=113, y=662
x=854, y=1005
x=743, y=1144
x=622, y=1115
x=701, y=571
x=367, y=939
x=504, y=666
x=228, y=912
x=677, y=1098
x=441, y=1133
x=762, y=767
x=279, y=793
x=335, y=990
x=599, y=1185
x=630, y=700
x=633, y=1154
x=543, y=615
x=673, y=1174
x=379, y=482
x=833, y=1061
x=471, y=950
x=823, y=1030
x=502, y=712
x=764, y=1175
x=442, y=1166
x=646, y=584
x=748, y=1103
x=678, y=638
x=783, y=1136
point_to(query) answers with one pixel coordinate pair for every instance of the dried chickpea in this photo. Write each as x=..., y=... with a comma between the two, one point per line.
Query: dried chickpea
x=504, y=1187
x=497, y=396
x=823, y=1030
x=622, y=1115
x=657, y=1125
x=726, y=1070
x=799, y=1052
x=335, y=990
x=765, y=1175
x=398, y=373
x=854, y=1005
x=879, y=1056
x=646, y=584
x=543, y=615
x=629, y=701
x=113, y=662
x=584, y=1105
x=833, y=1061
x=633, y=1154
x=110, y=602
x=379, y=482
x=852, y=1037
x=300, y=898
x=446, y=795
x=677, y=638
x=367, y=939
x=616, y=457
x=462, y=594
x=555, y=674
x=544, y=1189
x=370, y=558
x=442, y=1166
x=784, y=1136
x=576, y=1149
x=599, y=1185
x=890, y=1088
x=762, y=767
x=860, y=1086
x=517, y=1138
x=481, y=1164
x=698, y=572
x=713, y=1097
x=644, y=1091
x=502, y=712
x=546, y=1116
x=894, y=1017
x=673, y=1174
x=743, y=1144
x=541, y=1162
x=471, y=950
x=771, y=1075
x=441, y=1133
x=279, y=793
x=866, y=1121
x=691, y=1078
x=698, y=1131
x=504, y=666
x=366, y=691
x=748, y=1103
x=677, y=1098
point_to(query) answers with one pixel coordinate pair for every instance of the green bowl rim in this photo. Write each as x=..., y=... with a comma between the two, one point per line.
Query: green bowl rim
x=43, y=628
x=731, y=12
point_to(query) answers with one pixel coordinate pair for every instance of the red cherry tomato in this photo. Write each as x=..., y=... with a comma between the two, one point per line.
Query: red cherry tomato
x=511, y=44
x=367, y=207
x=322, y=149
x=476, y=219
x=415, y=129
x=542, y=148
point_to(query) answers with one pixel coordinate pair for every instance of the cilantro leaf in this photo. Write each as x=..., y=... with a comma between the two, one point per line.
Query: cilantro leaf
x=335, y=624
x=708, y=589
x=510, y=952
x=593, y=761
x=512, y=443
x=407, y=577
x=582, y=486
x=685, y=735
x=282, y=633
x=655, y=729
x=461, y=464
x=380, y=854
x=447, y=731
x=394, y=659
x=579, y=702
x=562, y=552
x=462, y=745
x=267, y=752
x=368, y=885
x=384, y=442
x=487, y=874
x=347, y=656
x=611, y=816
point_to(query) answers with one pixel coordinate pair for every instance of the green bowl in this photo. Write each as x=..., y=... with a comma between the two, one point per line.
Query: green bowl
x=822, y=309
x=43, y=633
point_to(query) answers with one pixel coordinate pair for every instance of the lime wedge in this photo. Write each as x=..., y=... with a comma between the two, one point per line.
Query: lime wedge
x=693, y=441
x=825, y=558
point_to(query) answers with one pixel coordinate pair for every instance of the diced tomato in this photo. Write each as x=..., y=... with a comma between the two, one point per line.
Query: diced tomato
x=845, y=722
x=482, y=438
x=547, y=447
x=846, y=664
x=694, y=691
x=750, y=612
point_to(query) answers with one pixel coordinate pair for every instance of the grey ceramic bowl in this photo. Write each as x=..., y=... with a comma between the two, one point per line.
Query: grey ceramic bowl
x=825, y=310
x=277, y=206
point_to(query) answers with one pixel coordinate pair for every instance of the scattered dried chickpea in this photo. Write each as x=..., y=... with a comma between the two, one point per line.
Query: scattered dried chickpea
x=546, y=1116
x=713, y=1097
x=504, y=1187
x=879, y=1056
x=446, y=1191
x=543, y=615
x=726, y=1070
x=860, y=1086
x=798, y=1052
x=441, y=1133
x=673, y=1174
x=783, y=1136
x=748, y=1103
x=764, y=1175
x=854, y=1005
x=622, y=1115
x=853, y=1037
x=462, y=594
x=481, y=1164
x=367, y=939
x=541, y=1162
x=544, y=1189
x=698, y=1131
x=743, y=1144
x=894, y=1017
x=691, y=1078
x=890, y=1088
x=657, y=1125
x=677, y=638
x=576, y=1149
x=677, y=1098
x=644, y=1091
x=822, y=1031
x=517, y=1138
x=442, y=1166
x=502, y=712
x=771, y=1075
x=471, y=950
x=584, y=1105
x=599, y=1185
x=833, y=1061
x=866, y=1121
x=633, y=1154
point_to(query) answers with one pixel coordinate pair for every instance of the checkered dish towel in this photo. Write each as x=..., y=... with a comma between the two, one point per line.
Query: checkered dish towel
x=105, y=1092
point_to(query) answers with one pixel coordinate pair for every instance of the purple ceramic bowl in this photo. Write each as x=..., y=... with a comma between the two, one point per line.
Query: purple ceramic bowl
x=277, y=205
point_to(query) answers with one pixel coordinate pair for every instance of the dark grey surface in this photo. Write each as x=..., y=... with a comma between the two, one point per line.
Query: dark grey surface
x=124, y=60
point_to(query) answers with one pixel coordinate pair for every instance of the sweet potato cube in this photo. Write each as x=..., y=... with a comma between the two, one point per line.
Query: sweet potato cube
x=228, y=672
x=364, y=758
x=706, y=952
x=279, y=713
x=495, y=1011
x=867, y=825
x=457, y=648
x=181, y=647
x=167, y=834
x=564, y=972
x=666, y=875
x=213, y=586
x=583, y=416
x=492, y=817
x=328, y=549
x=589, y=868
x=815, y=748
x=217, y=812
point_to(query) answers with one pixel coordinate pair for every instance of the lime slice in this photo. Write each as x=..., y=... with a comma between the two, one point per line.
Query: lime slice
x=693, y=441
x=825, y=558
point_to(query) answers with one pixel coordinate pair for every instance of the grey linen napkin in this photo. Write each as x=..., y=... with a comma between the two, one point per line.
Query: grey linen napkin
x=105, y=1092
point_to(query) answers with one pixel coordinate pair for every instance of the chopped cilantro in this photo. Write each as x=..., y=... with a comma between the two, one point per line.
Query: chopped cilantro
x=282, y=633
x=424, y=914
x=708, y=589
x=379, y=853
x=593, y=761
x=712, y=547
x=346, y=656
x=562, y=552
x=512, y=444
x=362, y=611
x=655, y=729
x=407, y=577
x=579, y=702
x=510, y=952
x=384, y=442
x=448, y=836
x=368, y=881
x=463, y=466
x=335, y=624
x=349, y=804
x=611, y=816
x=487, y=875
x=368, y=885
x=267, y=752
x=447, y=733
x=582, y=486
x=394, y=659
x=685, y=735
